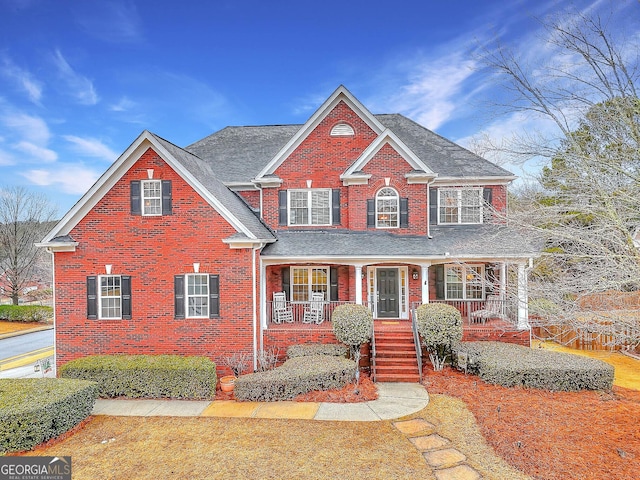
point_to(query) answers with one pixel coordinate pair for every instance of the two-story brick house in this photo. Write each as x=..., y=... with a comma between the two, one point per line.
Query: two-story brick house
x=181, y=250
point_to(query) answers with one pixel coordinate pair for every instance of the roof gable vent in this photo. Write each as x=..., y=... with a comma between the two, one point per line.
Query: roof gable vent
x=342, y=130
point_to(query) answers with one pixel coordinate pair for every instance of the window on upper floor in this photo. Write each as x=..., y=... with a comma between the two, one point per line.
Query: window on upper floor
x=197, y=295
x=387, y=208
x=109, y=297
x=460, y=205
x=316, y=206
x=151, y=198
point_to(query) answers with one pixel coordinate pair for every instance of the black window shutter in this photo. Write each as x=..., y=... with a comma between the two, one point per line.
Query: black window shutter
x=286, y=281
x=136, y=206
x=487, y=195
x=125, y=281
x=439, y=282
x=404, y=212
x=282, y=208
x=371, y=213
x=214, y=296
x=92, y=297
x=433, y=206
x=333, y=284
x=335, y=206
x=167, y=207
x=178, y=293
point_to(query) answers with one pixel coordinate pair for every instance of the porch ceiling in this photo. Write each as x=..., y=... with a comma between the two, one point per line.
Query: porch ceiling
x=473, y=241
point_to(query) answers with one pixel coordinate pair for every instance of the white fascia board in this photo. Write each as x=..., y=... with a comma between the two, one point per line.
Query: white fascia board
x=388, y=259
x=355, y=179
x=340, y=94
x=267, y=182
x=421, y=178
x=241, y=186
x=388, y=137
x=246, y=243
x=58, y=246
x=477, y=181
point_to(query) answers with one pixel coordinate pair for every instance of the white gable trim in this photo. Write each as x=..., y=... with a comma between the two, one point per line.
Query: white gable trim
x=387, y=137
x=341, y=94
x=118, y=169
x=472, y=181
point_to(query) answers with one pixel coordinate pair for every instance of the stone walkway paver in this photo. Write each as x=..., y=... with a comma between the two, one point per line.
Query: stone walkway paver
x=448, y=462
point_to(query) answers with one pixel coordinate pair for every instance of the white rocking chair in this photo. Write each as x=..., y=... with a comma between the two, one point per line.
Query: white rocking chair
x=492, y=309
x=281, y=311
x=314, y=313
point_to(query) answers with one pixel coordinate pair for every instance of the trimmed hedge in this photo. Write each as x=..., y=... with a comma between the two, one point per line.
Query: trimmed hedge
x=25, y=313
x=512, y=365
x=352, y=324
x=146, y=376
x=439, y=325
x=34, y=410
x=311, y=349
x=296, y=376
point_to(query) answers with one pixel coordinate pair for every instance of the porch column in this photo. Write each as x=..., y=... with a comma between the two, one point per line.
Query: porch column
x=358, y=284
x=424, y=278
x=503, y=281
x=523, y=299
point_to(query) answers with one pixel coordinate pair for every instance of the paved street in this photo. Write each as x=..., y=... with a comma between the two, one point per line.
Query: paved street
x=20, y=354
x=21, y=344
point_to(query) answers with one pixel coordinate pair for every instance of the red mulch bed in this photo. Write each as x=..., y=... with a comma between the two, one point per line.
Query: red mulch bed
x=553, y=435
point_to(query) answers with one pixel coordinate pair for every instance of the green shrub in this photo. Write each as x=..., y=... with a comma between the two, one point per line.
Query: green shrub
x=352, y=324
x=514, y=365
x=296, y=376
x=146, y=376
x=440, y=328
x=34, y=410
x=25, y=313
x=310, y=349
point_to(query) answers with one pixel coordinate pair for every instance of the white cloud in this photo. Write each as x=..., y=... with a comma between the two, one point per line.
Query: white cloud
x=30, y=128
x=113, y=22
x=123, y=105
x=41, y=154
x=22, y=78
x=78, y=85
x=71, y=178
x=91, y=147
x=6, y=158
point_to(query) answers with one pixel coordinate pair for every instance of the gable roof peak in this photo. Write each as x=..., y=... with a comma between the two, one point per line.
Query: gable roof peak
x=340, y=94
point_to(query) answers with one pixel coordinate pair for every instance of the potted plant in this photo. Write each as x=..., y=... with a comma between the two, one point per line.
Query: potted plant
x=237, y=363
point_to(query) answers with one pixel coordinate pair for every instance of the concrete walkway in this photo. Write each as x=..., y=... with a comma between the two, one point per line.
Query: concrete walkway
x=395, y=400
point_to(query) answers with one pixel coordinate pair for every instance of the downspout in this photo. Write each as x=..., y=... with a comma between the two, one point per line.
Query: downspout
x=255, y=306
x=429, y=219
x=53, y=305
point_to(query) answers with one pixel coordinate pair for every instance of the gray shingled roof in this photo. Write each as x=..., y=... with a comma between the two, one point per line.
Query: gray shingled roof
x=482, y=241
x=203, y=172
x=238, y=154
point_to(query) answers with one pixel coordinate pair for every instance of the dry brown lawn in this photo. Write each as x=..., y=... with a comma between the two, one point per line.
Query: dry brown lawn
x=11, y=327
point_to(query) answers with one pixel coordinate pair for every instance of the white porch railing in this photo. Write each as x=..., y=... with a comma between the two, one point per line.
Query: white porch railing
x=298, y=310
x=467, y=307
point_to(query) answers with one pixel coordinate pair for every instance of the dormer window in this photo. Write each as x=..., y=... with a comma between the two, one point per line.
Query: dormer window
x=342, y=130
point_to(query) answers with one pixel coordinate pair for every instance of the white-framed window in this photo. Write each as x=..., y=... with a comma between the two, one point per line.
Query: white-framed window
x=151, y=197
x=306, y=280
x=310, y=207
x=460, y=205
x=387, y=208
x=110, y=297
x=464, y=282
x=197, y=295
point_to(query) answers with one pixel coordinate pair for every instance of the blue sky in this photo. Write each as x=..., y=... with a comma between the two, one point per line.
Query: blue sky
x=79, y=80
